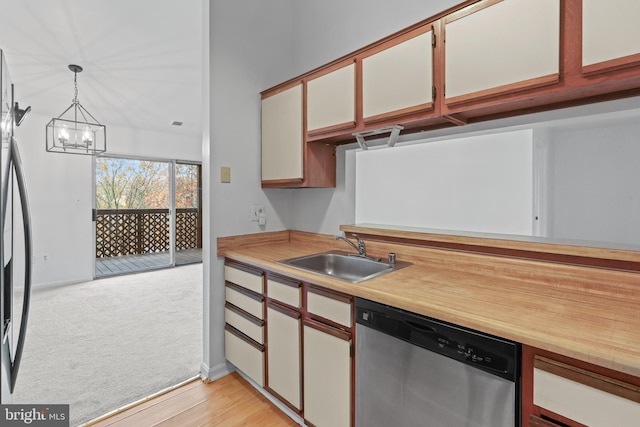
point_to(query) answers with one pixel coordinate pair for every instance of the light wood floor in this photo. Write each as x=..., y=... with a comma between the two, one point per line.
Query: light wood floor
x=229, y=401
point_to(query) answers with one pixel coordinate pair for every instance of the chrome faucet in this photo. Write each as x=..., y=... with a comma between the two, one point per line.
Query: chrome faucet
x=362, y=250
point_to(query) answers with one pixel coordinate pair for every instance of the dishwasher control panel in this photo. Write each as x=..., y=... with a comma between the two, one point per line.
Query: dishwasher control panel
x=483, y=351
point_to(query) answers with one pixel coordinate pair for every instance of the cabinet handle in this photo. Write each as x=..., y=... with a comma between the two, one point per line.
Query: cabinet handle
x=245, y=291
x=243, y=337
x=283, y=310
x=240, y=312
x=338, y=333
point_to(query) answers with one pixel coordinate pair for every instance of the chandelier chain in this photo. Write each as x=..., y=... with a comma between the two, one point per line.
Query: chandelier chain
x=75, y=86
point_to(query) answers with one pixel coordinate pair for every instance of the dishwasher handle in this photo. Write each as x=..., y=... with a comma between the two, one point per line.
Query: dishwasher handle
x=422, y=328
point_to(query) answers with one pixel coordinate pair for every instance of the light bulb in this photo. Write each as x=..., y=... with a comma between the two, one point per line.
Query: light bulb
x=87, y=137
x=63, y=136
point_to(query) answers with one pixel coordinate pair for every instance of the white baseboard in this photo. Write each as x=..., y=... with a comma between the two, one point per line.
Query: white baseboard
x=218, y=371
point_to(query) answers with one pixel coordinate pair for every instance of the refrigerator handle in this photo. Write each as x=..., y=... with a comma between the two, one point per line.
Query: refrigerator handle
x=26, y=222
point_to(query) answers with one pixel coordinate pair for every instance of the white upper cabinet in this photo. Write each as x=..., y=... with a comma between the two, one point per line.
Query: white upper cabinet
x=506, y=45
x=398, y=77
x=331, y=99
x=610, y=30
x=282, y=135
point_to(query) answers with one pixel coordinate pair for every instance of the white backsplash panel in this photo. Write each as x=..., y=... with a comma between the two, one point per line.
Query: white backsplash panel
x=479, y=184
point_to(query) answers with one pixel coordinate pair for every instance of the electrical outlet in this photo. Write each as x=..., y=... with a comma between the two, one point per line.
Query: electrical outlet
x=256, y=211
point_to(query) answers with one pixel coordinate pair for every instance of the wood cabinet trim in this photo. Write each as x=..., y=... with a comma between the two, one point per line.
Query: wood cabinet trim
x=612, y=65
x=317, y=133
x=588, y=378
x=243, y=337
x=482, y=95
x=347, y=299
x=283, y=280
x=425, y=27
x=283, y=400
x=243, y=267
x=540, y=422
x=244, y=291
x=329, y=69
x=281, y=87
x=338, y=333
x=422, y=108
x=240, y=312
x=557, y=420
x=468, y=10
x=279, y=183
x=283, y=309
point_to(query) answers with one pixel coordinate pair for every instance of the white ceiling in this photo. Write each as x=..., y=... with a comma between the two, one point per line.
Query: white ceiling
x=142, y=59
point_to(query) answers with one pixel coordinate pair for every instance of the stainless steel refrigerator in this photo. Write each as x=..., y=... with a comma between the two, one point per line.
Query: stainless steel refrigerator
x=15, y=240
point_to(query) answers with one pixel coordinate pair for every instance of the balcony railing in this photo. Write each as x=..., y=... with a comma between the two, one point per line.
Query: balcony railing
x=142, y=231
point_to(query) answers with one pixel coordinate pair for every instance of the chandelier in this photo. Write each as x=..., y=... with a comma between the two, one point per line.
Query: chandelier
x=76, y=131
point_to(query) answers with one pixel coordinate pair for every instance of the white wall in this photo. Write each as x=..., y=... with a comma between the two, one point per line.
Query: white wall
x=60, y=194
x=594, y=178
x=247, y=49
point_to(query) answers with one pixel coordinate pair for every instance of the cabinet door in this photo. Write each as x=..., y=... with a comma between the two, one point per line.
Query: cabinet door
x=327, y=375
x=584, y=396
x=610, y=34
x=398, y=78
x=496, y=47
x=283, y=353
x=282, y=148
x=331, y=100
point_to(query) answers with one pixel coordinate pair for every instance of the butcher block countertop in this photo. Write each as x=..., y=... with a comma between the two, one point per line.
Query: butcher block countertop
x=591, y=314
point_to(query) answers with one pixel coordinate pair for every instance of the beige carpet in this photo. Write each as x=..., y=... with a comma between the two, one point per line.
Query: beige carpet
x=106, y=343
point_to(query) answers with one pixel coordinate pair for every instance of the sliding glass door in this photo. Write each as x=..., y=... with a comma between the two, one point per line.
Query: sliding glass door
x=188, y=202
x=148, y=214
x=132, y=215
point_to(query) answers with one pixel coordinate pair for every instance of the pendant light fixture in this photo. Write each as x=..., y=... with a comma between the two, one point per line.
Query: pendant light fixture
x=76, y=131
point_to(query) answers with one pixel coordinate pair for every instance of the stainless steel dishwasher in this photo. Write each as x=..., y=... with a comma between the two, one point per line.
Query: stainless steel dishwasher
x=415, y=371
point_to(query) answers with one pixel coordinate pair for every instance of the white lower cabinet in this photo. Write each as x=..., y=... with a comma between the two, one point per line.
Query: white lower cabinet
x=283, y=353
x=588, y=398
x=327, y=375
x=245, y=354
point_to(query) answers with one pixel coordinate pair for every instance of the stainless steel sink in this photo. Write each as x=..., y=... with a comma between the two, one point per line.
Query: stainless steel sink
x=342, y=265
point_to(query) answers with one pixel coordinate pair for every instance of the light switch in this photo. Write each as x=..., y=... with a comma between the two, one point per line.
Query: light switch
x=225, y=174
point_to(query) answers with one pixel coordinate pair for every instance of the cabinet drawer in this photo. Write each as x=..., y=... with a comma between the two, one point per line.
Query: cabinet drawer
x=247, y=357
x=586, y=397
x=288, y=293
x=245, y=300
x=336, y=308
x=251, y=281
x=244, y=322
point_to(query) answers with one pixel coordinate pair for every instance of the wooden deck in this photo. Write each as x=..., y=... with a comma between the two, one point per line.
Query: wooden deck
x=134, y=263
